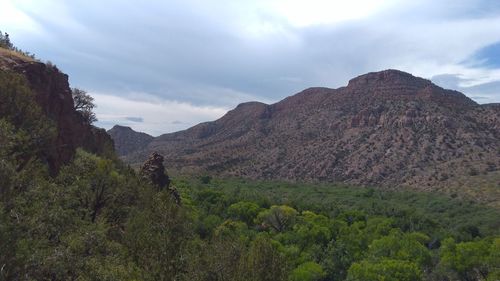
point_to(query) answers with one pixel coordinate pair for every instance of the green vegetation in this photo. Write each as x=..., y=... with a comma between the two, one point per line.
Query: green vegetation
x=6, y=43
x=84, y=105
x=98, y=220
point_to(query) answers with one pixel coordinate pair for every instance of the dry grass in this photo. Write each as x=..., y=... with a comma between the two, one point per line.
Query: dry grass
x=9, y=54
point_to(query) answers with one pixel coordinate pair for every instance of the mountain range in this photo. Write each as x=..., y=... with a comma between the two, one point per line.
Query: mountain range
x=385, y=128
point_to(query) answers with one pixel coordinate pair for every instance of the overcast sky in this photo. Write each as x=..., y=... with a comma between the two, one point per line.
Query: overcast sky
x=163, y=66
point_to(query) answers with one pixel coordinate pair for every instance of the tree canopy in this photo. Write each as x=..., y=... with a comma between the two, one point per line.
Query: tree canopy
x=84, y=104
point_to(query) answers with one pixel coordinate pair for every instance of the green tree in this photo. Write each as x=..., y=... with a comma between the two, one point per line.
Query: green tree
x=232, y=228
x=264, y=262
x=467, y=260
x=494, y=258
x=309, y=271
x=84, y=104
x=278, y=218
x=351, y=243
x=384, y=270
x=27, y=135
x=221, y=258
x=5, y=41
x=312, y=229
x=98, y=187
x=207, y=225
x=244, y=211
x=211, y=201
x=402, y=246
x=157, y=238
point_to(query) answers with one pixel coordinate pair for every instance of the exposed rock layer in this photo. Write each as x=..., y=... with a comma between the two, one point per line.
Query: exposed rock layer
x=52, y=92
x=385, y=128
x=127, y=140
x=154, y=172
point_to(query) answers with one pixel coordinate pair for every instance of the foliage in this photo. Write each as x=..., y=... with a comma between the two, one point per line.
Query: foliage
x=368, y=241
x=309, y=271
x=401, y=246
x=156, y=238
x=470, y=260
x=264, y=262
x=278, y=218
x=84, y=104
x=26, y=134
x=96, y=220
x=384, y=270
x=244, y=211
x=6, y=43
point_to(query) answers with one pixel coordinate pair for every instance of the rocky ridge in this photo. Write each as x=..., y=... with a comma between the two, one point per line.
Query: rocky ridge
x=384, y=128
x=127, y=140
x=53, y=94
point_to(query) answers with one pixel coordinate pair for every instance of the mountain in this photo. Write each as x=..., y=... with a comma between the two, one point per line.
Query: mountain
x=52, y=93
x=127, y=140
x=384, y=128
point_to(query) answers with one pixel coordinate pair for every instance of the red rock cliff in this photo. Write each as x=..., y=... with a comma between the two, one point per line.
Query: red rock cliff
x=52, y=92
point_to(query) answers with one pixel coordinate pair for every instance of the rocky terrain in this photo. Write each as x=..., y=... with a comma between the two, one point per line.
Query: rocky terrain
x=127, y=140
x=386, y=128
x=52, y=92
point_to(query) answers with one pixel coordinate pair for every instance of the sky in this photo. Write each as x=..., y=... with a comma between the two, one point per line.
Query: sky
x=163, y=66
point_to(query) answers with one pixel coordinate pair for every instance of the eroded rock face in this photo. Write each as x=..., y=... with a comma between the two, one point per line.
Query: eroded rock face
x=53, y=94
x=127, y=140
x=153, y=171
x=385, y=128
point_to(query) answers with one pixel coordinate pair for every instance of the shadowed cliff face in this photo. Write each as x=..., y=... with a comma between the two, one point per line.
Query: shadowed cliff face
x=53, y=95
x=385, y=128
x=127, y=140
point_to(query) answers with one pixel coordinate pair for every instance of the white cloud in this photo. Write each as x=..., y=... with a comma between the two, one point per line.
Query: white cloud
x=16, y=20
x=302, y=13
x=157, y=117
x=216, y=54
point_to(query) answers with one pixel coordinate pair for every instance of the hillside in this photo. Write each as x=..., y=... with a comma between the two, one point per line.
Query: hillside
x=95, y=218
x=127, y=140
x=386, y=128
x=52, y=93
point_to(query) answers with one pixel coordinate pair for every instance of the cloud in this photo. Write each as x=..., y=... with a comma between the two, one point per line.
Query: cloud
x=209, y=54
x=161, y=116
x=482, y=93
x=135, y=119
x=488, y=56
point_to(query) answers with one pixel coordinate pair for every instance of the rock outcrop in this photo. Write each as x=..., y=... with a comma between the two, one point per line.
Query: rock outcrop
x=127, y=140
x=154, y=173
x=386, y=128
x=53, y=94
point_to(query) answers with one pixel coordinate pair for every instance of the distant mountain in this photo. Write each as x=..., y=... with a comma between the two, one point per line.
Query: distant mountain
x=384, y=128
x=127, y=140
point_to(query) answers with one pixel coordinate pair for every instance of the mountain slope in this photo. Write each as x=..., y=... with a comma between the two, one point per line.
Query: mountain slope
x=53, y=94
x=127, y=140
x=385, y=128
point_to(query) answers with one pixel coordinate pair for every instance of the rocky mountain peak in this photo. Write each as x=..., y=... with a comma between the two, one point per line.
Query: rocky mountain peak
x=121, y=128
x=385, y=128
x=386, y=78
x=127, y=140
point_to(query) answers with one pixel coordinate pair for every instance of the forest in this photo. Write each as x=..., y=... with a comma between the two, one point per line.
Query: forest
x=97, y=219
